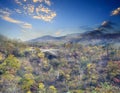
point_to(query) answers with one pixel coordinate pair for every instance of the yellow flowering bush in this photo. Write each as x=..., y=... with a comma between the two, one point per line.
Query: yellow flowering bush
x=29, y=91
x=52, y=89
x=41, y=86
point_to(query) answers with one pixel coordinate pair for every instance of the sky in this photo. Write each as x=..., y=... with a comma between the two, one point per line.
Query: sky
x=29, y=19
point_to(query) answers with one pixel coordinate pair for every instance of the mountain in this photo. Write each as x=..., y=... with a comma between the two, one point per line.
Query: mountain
x=89, y=36
x=47, y=38
x=96, y=34
x=44, y=38
x=99, y=37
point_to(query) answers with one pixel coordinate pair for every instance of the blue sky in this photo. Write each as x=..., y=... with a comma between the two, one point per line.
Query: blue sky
x=28, y=19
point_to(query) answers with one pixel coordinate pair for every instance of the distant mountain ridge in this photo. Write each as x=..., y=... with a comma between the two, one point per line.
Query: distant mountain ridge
x=46, y=38
x=78, y=37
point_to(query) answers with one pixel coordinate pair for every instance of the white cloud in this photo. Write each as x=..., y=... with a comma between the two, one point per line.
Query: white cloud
x=58, y=33
x=45, y=17
x=27, y=25
x=28, y=9
x=9, y=19
x=36, y=11
x=39, y=12
x=47, y=2
x=18, y=2
x=42, y=9
x=116, y=12
x=18, y=11
x=5, y=12
x=25, y=0
x=5, y=15
x=104, y=23
x=35, y=1
x=44, y=13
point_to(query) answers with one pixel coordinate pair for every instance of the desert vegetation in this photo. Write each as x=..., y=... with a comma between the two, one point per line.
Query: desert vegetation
x=58, y=68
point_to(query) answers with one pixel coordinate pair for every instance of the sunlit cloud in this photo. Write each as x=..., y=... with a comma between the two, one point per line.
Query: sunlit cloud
x=27, y=25
x=40, y=11
x=5, y=12
x=44, y=13
x=37, y=1
x=18, y=11
x=25, y=0
x=28, y=9
x=107, y=24
x=45, y=17
x=47, y=2
x=18, y=2
x=104, y=23
x=58, y=33
x=37, y=10
x=5, y=15
x=116, y=11
x=9, y=19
